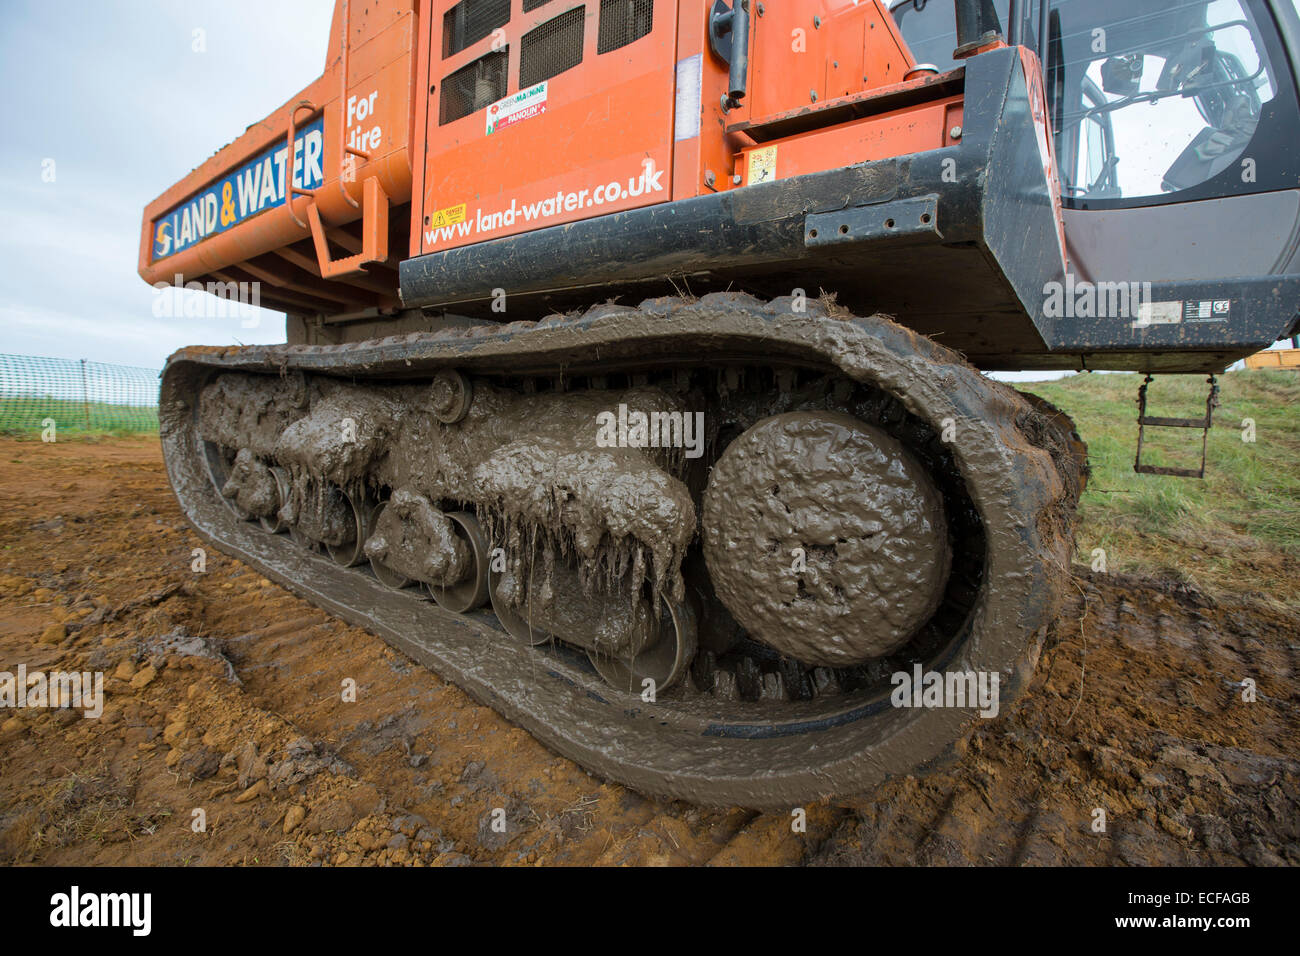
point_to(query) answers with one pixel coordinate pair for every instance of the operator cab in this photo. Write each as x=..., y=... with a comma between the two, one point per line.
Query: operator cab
x=1175, y=123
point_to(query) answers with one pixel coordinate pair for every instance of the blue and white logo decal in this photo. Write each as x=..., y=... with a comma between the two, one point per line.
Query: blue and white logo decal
x=254, y=187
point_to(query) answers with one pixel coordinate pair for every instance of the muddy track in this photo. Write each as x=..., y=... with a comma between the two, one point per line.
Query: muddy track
x=1135, y=708
x=1012, y=480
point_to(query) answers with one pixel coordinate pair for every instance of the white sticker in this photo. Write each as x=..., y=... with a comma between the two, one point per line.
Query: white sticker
x=516, y=108
x=1159, y=313
x=1203, y=310
x=686, y=122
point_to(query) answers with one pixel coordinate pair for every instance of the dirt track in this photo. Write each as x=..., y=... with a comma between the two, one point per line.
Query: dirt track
x=223, y=694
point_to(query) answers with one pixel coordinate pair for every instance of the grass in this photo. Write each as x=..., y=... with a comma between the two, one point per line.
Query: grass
x=1238, y=529
x=25, y=416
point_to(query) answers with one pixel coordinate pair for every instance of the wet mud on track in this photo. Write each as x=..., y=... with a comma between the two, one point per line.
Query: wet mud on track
x=224, y=694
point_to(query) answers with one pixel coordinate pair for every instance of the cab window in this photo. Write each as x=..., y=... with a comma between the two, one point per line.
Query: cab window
x=1154, y=97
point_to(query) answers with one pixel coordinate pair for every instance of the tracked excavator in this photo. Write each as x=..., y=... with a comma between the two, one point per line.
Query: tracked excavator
x=634, y=366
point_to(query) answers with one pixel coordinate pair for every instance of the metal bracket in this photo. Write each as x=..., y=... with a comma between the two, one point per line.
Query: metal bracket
x=1146, y=421
x=374, y=235
x=978, y=28
x=904, y=218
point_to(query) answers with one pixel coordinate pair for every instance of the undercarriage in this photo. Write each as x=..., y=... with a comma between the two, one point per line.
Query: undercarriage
x=689, y=544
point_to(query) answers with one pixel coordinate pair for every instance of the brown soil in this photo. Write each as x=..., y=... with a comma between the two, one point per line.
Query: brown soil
x=1136, y=708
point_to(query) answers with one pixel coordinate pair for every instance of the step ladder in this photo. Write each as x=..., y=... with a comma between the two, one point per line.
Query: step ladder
x=1146, y=421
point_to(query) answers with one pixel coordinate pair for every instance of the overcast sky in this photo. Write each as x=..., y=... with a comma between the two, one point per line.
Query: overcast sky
x=116, y=95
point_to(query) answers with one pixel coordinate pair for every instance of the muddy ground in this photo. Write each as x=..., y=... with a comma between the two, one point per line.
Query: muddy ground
x=223, y=696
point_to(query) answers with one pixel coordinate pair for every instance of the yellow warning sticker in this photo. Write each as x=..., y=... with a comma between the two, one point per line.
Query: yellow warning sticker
x=762, y=166
x=448, y=217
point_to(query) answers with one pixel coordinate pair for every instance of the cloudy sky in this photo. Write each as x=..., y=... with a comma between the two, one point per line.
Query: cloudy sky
x=117, y=96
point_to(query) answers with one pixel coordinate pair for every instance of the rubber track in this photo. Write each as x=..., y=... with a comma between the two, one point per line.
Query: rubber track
x=1016, y=464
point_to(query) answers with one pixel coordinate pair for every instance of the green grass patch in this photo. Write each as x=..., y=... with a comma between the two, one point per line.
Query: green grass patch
x=1238, y=529
x=27, y=416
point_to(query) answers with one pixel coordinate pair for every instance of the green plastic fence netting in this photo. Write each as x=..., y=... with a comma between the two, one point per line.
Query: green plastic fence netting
x=75, y=396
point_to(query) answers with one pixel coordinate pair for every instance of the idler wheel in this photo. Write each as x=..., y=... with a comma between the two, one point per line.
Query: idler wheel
x=503, y=589
x=450, y=396
x=330, y=510
x=623, y=639
x=825, y=538
x=471, y=592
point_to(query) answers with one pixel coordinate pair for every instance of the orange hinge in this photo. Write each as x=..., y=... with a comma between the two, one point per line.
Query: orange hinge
x=374, y=235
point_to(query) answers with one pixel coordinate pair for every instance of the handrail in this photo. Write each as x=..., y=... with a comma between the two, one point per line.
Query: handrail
x=290, y=190
x=344, y=149
x=374, y=206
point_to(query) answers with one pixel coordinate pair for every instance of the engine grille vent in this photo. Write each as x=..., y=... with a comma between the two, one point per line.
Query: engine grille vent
x=623, y=22
x=551, y=48
x=531, y=5
x=470, y=21
x=474, y=86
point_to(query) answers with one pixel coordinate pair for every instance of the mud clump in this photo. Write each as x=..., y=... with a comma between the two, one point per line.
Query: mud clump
x=251, y=486
x=347, y=429
x=593, y=503
x=531, y=462
x=320, y=511
x=416, y=540
x=240, y=410
x=551, y=597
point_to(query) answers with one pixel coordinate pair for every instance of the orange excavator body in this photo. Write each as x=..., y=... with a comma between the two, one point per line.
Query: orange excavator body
x=393, y=145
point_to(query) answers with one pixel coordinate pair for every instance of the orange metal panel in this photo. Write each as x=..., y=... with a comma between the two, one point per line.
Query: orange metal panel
x=803, y=53
x=703, y=162
x=421, y=103
x=636, y=125
x=836, y=49
x=595, y=139
x=914, y=129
